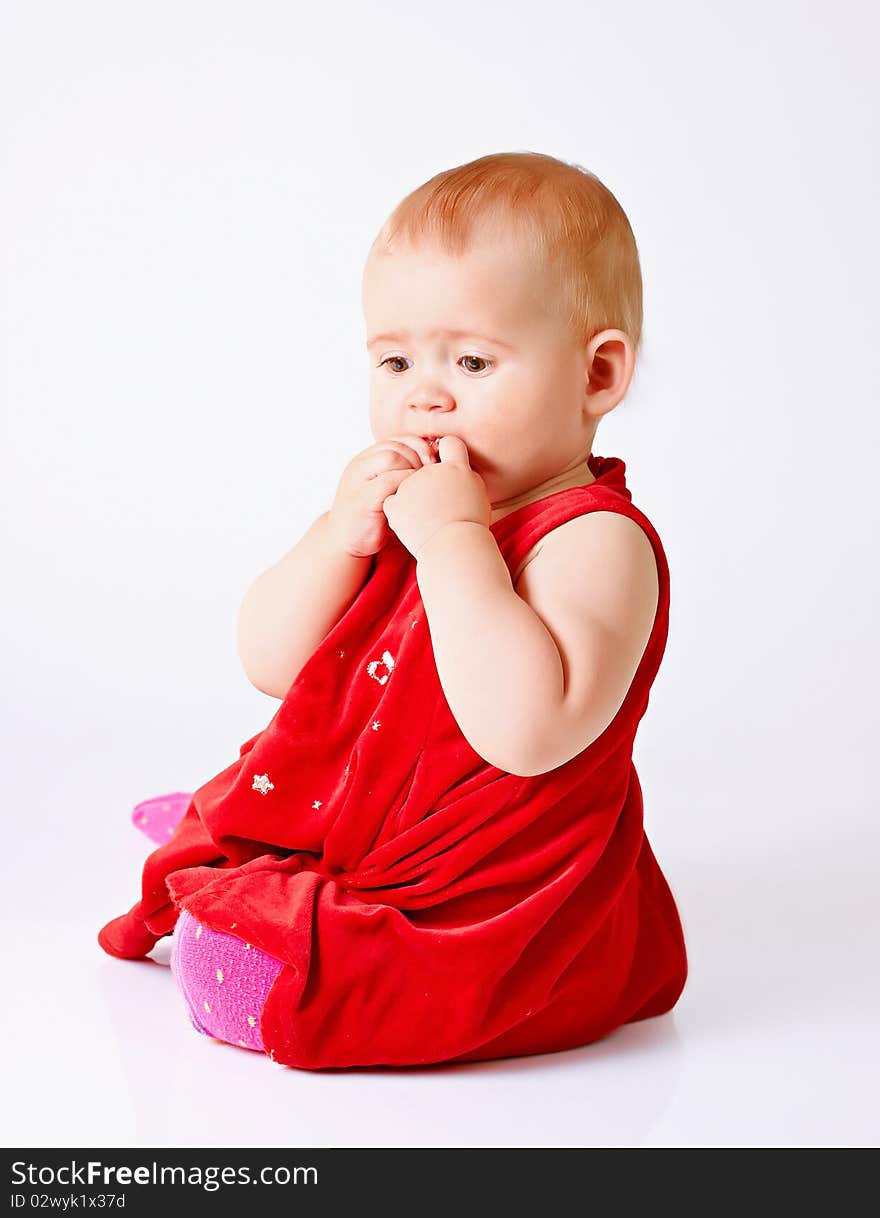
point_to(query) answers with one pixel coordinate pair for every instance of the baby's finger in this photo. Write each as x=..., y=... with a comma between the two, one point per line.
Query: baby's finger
x=407, y=451
x=418, y=444
x=380, y=486
x=380, y=457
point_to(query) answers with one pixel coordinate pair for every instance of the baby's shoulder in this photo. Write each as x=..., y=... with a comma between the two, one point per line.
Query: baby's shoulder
x=600, y=540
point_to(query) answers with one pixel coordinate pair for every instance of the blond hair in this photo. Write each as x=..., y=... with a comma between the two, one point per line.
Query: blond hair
x=572, y=225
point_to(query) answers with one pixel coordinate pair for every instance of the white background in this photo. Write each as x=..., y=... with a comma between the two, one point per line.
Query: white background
x=189, y=192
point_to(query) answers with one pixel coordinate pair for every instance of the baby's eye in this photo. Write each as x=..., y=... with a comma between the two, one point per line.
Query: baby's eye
x=390, y=359
x=480, y=360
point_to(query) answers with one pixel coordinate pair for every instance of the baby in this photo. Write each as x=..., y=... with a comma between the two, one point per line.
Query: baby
x=435, y=851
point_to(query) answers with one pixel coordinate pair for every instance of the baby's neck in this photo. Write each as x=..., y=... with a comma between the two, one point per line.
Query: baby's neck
x=579, y=476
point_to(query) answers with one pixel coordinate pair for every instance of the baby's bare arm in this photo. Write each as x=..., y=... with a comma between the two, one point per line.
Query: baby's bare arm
x=535, y=672
x=498, y=666
x=292, y=606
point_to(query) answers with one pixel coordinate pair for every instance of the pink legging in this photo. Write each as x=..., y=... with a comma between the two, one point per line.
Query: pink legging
x=224, y=981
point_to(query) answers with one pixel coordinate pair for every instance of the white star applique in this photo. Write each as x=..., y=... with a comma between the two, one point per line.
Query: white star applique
x=376, y=725
x=262, y=784
x=387, y=660
x=317, y=803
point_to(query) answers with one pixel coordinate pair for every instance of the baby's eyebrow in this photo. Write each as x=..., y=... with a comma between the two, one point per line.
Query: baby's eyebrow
x=402, y=336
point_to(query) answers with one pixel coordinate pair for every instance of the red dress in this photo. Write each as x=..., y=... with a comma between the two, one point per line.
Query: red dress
x=427, y=906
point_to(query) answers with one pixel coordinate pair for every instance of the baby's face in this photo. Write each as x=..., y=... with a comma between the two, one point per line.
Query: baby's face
x=472, y=347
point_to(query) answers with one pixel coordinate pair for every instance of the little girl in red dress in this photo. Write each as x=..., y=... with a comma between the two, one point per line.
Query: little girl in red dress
x=362, y=886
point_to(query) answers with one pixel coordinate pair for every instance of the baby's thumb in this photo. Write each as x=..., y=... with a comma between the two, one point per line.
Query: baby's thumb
x=453, y=451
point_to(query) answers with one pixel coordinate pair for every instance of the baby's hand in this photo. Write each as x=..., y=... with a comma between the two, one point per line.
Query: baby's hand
x=357, y=522
x=449, y=492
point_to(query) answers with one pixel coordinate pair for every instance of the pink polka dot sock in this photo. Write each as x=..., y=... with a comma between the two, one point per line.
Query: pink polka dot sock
x=158, y=817
x=224, y=981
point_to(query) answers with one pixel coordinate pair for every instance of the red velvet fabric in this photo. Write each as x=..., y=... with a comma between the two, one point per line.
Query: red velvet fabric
x=427, y=906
